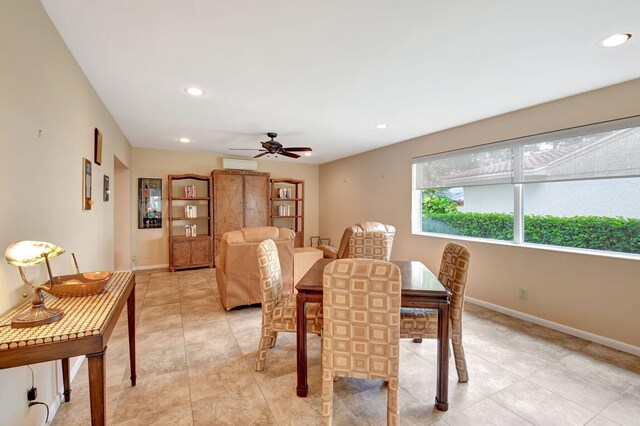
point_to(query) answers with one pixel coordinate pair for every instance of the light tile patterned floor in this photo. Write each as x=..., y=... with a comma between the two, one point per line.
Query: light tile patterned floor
x=195, y=367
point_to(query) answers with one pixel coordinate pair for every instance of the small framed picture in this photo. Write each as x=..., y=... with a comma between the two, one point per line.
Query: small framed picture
x=86, y=184
x=97, y=143
x=105, y=190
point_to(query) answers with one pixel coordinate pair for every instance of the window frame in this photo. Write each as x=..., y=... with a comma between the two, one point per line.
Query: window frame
x=518, y=207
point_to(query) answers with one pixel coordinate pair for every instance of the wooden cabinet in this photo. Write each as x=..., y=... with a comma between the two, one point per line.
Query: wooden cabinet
x=240, y=200
x=190, y=236
x=287, y=206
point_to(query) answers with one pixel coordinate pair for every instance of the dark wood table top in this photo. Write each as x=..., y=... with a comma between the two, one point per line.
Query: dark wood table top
x=417, y=280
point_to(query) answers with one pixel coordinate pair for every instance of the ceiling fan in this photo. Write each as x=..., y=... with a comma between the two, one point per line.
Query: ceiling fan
x=274, y=147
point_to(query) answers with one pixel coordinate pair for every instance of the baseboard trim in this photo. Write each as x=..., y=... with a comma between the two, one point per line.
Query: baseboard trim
x=605, y=341
x=142, y=268
x=59, y=398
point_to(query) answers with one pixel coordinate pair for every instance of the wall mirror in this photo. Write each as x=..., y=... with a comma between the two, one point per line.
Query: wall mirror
x=149, y=203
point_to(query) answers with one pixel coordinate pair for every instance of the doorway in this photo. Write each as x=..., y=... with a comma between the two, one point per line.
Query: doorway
x=121, y=216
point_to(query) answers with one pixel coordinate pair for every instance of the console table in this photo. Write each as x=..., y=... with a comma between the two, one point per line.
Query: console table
x=84, y=329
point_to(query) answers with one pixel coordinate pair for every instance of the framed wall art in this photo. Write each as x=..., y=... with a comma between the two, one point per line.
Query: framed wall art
x=97, y=145
x=105, y=188
x=86, y=184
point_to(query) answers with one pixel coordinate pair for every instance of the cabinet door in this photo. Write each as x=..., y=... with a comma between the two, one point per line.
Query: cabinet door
x=181, y=253
x=228, y=202
x=256, y=200
x=201, y=251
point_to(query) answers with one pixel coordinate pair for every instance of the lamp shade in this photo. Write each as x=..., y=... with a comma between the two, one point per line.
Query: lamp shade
x=29, y=253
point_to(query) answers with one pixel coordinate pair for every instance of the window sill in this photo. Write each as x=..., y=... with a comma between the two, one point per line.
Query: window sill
x=529, y=246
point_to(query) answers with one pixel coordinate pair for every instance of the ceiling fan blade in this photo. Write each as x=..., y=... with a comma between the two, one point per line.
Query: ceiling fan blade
x=299, y=149
x=261, y=154
x=267, y=146
x=244, y=149
x=288, y=154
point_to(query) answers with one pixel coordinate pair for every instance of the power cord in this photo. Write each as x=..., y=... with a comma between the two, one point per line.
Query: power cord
x=32, y=394
x=32, y=403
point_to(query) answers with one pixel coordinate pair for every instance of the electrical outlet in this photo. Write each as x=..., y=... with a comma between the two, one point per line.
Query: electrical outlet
x=134, y=259
x=524, y=293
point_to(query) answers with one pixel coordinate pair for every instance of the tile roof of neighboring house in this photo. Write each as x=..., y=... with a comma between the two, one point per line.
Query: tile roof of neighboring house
x=534, y=160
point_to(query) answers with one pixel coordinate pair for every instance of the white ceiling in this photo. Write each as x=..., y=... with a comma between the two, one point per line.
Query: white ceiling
x=324, y=73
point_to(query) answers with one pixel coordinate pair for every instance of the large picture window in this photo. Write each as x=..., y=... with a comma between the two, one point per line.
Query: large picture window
x=576, y=188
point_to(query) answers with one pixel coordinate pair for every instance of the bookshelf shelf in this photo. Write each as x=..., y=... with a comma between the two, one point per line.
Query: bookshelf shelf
x=190, y=237
x=287, y=206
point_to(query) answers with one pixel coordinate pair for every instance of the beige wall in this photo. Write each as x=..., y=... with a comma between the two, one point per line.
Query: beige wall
x=48, y=112
x=598, y=295
x=151, y=246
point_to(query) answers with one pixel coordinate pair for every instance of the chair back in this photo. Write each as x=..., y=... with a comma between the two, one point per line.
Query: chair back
x=453, y=275
x=361, y=333
x=370, y=245
x=343, y=249
x=270, y=275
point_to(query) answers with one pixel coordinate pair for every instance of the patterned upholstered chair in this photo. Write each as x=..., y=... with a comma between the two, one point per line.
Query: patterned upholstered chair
x=423, y=323
x=278, y=310
x=342, y=252
x=370, y=245
x=361, y=327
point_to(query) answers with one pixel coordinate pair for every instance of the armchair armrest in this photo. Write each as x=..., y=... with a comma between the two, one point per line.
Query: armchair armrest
x=328, y=252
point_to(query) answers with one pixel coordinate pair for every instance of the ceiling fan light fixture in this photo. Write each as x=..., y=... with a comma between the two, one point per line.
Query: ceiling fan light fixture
x=615, y=40
x=195, y=91
x=381, y=126
x=184, y=140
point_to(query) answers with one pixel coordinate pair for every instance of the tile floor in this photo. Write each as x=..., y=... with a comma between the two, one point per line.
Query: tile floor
x=195, y=367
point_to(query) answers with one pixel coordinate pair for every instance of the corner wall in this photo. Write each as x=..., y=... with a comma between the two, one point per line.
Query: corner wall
x=151, y=246
x=48, y=112
x=595, y=294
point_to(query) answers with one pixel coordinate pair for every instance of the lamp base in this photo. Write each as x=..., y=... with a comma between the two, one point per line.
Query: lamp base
x=36, y=316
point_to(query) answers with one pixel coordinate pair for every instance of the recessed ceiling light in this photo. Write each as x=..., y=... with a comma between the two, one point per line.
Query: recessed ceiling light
x=615, y=40
x=307, y=154
x=184, y=140
x=195, y=91
x=381, y=126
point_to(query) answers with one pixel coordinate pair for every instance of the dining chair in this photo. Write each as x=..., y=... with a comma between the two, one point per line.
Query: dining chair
x=361, y=337
x=342, y=251
x=370, y=245
x=278, y=310
x=423, y=323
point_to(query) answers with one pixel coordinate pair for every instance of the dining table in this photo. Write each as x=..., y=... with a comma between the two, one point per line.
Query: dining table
x=420, y=289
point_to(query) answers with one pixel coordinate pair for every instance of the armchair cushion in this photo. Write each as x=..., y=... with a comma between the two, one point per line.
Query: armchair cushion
x=237, y=272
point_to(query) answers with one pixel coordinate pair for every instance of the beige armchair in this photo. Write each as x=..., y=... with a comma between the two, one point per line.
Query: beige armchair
x=342, y=252
x=237, y=271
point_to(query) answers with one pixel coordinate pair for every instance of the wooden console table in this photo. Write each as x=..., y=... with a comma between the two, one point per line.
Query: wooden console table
x=84, y=329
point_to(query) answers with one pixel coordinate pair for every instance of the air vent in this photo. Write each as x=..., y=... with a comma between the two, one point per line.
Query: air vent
x=236, y=164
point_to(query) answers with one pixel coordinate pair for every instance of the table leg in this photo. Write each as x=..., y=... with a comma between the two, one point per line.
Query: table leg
x=65, y=379
x=301, y=339
x=131, y=321
x=97, y=388
x=442, y=390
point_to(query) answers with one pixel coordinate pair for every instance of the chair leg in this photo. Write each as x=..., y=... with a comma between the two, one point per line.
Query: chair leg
x=461, y=362
x=392, y=402
x=273, y=339
x=327, y=397
x=267, y=338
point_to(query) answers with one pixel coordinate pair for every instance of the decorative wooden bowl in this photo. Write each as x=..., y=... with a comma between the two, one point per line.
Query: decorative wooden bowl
x=79, y=285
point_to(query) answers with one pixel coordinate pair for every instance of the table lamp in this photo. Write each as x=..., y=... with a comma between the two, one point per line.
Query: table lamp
x=30, y=253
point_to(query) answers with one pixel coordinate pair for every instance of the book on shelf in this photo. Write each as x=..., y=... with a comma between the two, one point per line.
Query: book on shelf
x=190, y=191
x=191, y=211
x=190, y=230
x=284, y=193
x=284, y=210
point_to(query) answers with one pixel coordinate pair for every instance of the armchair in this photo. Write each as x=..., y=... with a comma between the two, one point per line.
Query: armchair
x=237, y=270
